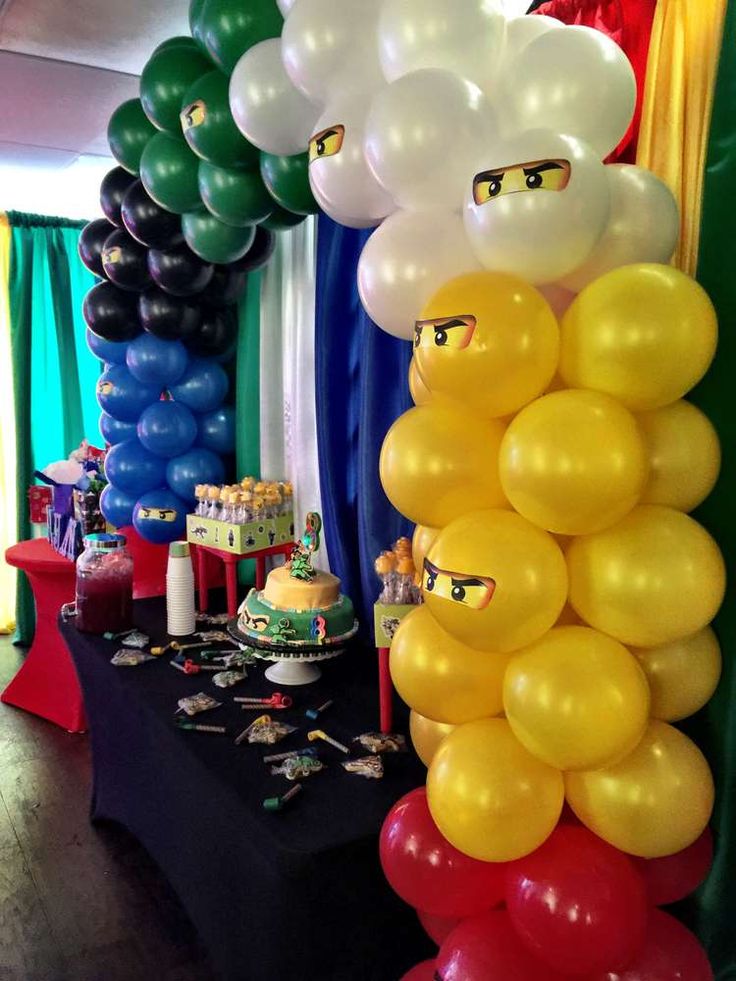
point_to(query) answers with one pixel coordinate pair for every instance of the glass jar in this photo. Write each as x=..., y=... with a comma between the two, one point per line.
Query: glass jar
x=104, y=599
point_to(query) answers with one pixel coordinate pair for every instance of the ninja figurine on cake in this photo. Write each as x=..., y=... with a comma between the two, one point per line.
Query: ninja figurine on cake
x=300, y=615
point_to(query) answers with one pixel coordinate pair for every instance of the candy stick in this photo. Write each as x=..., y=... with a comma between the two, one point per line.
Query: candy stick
x=277, y=700
x=319, y=734
x=314, y=714
x=194, y=727
x=280, y=757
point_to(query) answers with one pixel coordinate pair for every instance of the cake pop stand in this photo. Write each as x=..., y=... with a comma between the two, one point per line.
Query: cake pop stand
x=293, y=664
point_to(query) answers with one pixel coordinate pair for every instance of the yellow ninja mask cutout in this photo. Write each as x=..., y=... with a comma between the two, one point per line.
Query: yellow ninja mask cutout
x=326, y=143
x=193, y=115
x=488, y=340
x=105, y=388
x=156, y=514
x=112, y=256
x=538, y=175
x=494, y=581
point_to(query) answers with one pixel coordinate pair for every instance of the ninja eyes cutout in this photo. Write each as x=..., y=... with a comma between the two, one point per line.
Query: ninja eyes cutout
x=451, y=332
x=537, y=175
x=156, y=514
x=326, y=143
x=193, y=115
x=475, y=592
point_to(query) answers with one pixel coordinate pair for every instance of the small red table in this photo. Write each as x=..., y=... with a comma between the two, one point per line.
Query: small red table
x=230, y=560
x=47, y=683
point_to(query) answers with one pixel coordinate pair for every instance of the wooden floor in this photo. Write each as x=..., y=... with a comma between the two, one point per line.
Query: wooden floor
x=76, y=903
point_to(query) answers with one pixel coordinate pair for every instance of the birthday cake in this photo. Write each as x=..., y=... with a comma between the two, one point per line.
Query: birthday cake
x=300, y=606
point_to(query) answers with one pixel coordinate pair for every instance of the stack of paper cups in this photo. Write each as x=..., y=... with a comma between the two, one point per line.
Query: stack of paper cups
x=180, y=615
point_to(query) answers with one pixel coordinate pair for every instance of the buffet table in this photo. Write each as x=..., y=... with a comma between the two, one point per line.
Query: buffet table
x=296, y=895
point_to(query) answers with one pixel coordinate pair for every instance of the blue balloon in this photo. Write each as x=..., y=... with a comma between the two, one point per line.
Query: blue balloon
x=111, y=352
x=198, y=466
x=122, y=396
x=117, y=506
x=202, y=387
x=114, y=431
x=161, y=517
x=131, y=468
x=150, y=359
x=167, y=428
x=217, y=430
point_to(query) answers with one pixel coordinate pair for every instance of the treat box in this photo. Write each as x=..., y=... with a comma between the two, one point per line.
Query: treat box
x=386, y=620
x=240, y=539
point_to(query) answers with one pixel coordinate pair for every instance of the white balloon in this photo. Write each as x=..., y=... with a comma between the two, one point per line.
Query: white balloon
x=330, y=46
x=521, y=30
x=574, y=80
x=422, y=132
x=537, y=206
x=266, y=107
x=643, y=225
x=462, y=36
x=338, y=173
x=285, y=6
x=406, y=260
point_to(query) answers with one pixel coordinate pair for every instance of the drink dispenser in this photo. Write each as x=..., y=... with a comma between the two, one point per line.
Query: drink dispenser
x=104, y=598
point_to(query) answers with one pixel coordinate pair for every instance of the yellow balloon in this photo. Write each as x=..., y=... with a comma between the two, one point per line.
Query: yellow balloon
x=420, y=394
x=488, y=796
x=576, y=699
x=495, y=581
x=573, y=462
x=682, y=675
x=488, y=340
x=684, y=455
x=421, y=543
x=655, y=802
x=644, y=333
x=439, y=461
x=654, y=577
x=442, y=678
x=427, y=736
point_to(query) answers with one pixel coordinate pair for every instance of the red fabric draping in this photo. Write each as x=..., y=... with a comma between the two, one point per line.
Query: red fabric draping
x=629, y=23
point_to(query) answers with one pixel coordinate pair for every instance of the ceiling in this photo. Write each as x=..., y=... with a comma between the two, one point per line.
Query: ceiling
x=66, y=65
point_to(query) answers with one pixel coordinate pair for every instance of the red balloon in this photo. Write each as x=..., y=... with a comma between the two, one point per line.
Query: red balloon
x=422, y=972
x=577, y=902
x=438, y=927
x=487, y=948
x=427, y=871
x=670, y=879
x=670, y=953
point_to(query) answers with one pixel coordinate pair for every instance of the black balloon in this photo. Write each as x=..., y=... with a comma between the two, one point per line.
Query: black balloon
x=113, y=189
x=148, y=223
x=216, y=336
x=259, y=253
x=168, y=317
x=91, y=241
x=179, y=271
x=226, y=287
x=112, y=313
x=125, y=262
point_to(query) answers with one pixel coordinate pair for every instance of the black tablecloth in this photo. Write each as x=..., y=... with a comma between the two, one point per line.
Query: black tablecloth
x=296, y=895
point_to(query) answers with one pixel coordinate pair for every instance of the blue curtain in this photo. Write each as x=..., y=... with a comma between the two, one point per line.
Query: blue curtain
x=361, y=388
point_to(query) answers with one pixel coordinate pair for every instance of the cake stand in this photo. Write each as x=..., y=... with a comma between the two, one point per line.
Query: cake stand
x=293, y=664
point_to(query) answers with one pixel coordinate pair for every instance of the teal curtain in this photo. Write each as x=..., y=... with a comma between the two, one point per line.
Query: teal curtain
x=247, y=396
x=54, y=373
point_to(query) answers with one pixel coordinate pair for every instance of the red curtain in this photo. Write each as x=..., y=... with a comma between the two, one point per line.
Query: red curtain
x=629, y=23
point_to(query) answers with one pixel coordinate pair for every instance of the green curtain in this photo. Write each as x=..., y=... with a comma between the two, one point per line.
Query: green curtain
x=54, y=373
x=715, y=727
x=247, y=396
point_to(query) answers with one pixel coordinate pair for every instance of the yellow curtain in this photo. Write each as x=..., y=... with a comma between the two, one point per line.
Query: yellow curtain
x=678, y=98
x=8, y=501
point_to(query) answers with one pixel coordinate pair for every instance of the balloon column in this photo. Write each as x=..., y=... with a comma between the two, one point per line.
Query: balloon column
x=192, y=208
x=550, y=464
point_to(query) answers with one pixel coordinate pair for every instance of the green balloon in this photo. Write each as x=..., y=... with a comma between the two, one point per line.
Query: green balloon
x=280, y=218
x=128, y=132
x=214, y=241
x=208, y=125
x=231, y=27
x=196, y=8
x=237, y=197
x=287, y=179
x=164, y=83
x=181, y=41
x=169, y=171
